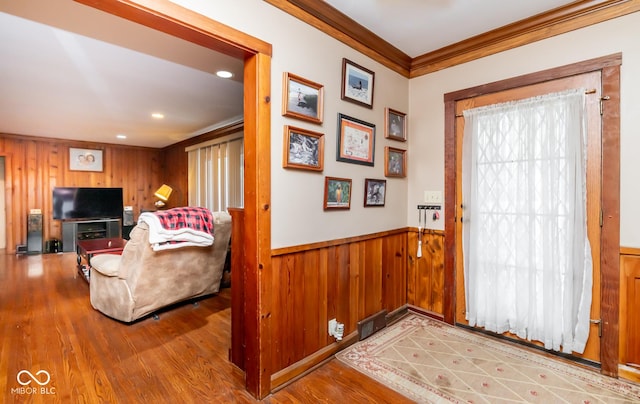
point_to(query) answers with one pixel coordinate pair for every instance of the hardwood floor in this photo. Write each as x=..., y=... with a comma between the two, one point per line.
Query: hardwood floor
x=47, y=323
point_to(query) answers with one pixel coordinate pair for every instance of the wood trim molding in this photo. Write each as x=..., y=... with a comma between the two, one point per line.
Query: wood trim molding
x=629, y=251
x=327, y=19
x=205, y=137
x=558, y=21
x=186, y=24
x=299, y=369
x=563, y=19
x=610, y=231
x=336, y=242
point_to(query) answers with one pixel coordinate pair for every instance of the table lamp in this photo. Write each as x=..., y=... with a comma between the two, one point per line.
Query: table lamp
x=163, y=194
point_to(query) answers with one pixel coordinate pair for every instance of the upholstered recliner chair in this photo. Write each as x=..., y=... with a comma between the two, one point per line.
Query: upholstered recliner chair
x=140, y=281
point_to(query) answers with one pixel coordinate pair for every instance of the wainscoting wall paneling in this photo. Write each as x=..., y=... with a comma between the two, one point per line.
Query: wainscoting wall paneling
x=347, y=279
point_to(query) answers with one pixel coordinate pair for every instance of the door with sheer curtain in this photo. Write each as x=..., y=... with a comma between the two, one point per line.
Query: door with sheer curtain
x=510, y=232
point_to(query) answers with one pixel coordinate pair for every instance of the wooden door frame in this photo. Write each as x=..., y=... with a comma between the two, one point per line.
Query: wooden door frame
x=175, y=20
x=609, y=66
x=8, y=202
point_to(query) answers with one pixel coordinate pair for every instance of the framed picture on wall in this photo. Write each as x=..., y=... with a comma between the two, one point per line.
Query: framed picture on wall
x=85, y=159
x=357, y=84
x=302, y=98
x=337, y=193
x=374, y=192
x=356, y=141
x=303, y=149
x=395, y=162
x=395, y=125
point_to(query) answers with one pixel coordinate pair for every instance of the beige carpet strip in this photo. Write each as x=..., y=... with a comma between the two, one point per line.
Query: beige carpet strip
x=432, y=362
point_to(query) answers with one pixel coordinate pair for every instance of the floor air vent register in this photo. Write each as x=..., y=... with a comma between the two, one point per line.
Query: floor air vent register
x=372, y=324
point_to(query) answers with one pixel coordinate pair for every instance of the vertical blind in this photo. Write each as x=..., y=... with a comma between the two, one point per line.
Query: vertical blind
x=216, y=174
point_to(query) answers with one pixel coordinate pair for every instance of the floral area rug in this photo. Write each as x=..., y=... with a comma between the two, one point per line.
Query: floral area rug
x=432, y=362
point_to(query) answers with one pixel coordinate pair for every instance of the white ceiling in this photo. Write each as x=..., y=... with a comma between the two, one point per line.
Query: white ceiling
x=69, y=71
x=417, y=27
x=65, y=83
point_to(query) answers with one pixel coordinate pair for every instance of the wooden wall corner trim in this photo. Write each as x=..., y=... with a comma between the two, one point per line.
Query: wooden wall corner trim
x=324, y=17
x=178, y=21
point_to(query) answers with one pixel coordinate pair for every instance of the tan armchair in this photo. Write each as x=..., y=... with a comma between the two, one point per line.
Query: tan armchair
x=140, y=281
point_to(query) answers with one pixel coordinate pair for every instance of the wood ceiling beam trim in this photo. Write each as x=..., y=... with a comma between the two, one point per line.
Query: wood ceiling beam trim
x=327, y=19
x=183, y=23
x=545, y=25
x=576, y=15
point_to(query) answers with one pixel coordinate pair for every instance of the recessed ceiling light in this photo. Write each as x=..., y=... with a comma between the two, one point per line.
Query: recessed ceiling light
x=157, y=115
x=121, y=136
x=224, y=74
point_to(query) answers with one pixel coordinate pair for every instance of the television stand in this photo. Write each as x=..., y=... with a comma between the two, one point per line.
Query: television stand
x=90, y=229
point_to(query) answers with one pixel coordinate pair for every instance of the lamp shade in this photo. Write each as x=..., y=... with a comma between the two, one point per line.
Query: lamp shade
x=164, y=192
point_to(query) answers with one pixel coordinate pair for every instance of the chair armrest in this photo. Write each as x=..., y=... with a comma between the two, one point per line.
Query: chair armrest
x=106, y=264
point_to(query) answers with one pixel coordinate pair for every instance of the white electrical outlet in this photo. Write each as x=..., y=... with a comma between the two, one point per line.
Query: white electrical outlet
x=432, y=196
x=333, y=324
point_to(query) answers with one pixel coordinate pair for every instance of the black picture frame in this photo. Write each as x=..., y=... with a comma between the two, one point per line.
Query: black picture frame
x=356, y=141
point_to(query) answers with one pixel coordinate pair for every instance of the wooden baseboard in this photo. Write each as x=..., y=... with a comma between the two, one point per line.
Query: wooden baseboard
x=629, y=373
x=425, y=312
x=299, y=369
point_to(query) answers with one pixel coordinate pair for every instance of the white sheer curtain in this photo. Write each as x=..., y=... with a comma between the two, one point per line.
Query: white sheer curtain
x=216, y=174
x=527, y=259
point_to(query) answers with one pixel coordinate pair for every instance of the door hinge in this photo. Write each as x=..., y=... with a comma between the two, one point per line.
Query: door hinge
x=603, y=98
x=599, y=323
x=601, y=218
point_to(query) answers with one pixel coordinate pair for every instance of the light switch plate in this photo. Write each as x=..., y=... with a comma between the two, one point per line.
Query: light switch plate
x=433, y=196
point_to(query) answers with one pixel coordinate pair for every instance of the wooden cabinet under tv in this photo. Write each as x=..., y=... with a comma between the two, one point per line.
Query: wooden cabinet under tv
x=88, y=230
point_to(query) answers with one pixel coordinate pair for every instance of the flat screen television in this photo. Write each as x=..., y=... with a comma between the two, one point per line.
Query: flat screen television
x=74, y=203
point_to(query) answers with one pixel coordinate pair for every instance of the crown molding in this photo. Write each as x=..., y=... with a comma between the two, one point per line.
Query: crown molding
x=567, y=18
x=563, y=19
x=332, y=22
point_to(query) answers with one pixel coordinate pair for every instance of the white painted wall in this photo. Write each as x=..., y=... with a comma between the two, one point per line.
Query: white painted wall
x=426, y=108
x=298, y=48
x=297, y=196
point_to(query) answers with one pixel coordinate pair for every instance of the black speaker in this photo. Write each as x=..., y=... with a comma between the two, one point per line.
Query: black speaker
x=127, y=217
x=34, y=233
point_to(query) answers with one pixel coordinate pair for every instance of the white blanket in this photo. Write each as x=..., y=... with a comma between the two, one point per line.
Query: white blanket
x=166, y=239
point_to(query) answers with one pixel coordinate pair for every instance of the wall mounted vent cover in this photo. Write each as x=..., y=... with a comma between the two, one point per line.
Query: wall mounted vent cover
x=372, y=324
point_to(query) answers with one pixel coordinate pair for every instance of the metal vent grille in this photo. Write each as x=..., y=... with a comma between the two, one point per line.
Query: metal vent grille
x=372, y=324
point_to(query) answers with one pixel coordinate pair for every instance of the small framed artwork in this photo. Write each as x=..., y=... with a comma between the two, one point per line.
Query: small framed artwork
x=85, y=159
x=303, y=149
x=395, y=162
x=374, y=192
x=302, y=98
x=356, y=141
x=357, y=84
x=395, y=125
x=337, y=193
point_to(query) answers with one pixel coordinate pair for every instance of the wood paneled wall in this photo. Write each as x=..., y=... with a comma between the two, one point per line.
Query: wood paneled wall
x=629, y=366
x=34, y=166
x=425, y=283
x=348, y=280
